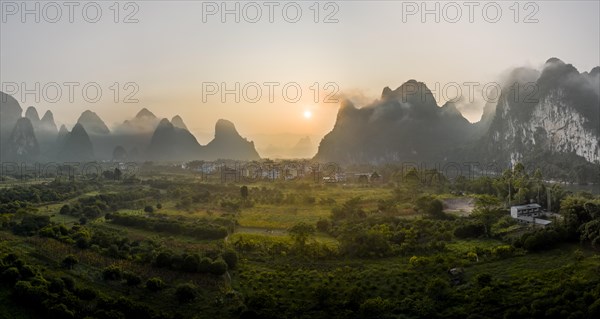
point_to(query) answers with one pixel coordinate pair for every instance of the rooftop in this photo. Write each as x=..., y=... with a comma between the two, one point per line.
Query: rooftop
x=528, y=206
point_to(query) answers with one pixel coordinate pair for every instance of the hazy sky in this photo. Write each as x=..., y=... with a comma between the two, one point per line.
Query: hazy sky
x=170, y=52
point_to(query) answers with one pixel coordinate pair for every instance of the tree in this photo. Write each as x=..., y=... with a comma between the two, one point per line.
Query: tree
x=117, y=174
x=60, y=311
x=164, y=259
x=438, y=289
x=155, y=284
x=191, y=263
x=70, y=261
x=112, y=272
x=300, y=233
x=244, y=191
x=132, y=279
x=483, y=279
x=375, y=308
x=351, y=209
x=218, y=267
x=431, y=206
x=470, y=230
x=92, y=211
x=149, y=209
x=69, y=283
x=86, y=293
x=56, y=286
x=418, y=262
x=230, y=256
x=185, y=293
x=323, y=225
x=590, y=231
x=65, y=210
x=412, y=182
x=11, y=275
x=487, y=210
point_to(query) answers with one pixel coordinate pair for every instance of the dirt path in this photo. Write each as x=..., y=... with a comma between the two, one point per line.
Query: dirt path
x=462, y=206
x=261, y=230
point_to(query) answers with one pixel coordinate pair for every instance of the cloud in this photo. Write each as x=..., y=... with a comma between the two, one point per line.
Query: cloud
x=358, y=97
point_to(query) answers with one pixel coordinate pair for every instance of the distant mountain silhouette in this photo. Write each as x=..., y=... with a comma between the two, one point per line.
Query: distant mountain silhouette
x=62, y=136
x=119, y=154
x=47, y=123
x=229, y=144
x=10, y=112
x=22, y=144
x=136, y=133
x=405, y=124
x=172, y=143
x=92, y=123
x=91, y=139
x=143, y=122
x=548, y=119
x=302, y=149
x=45, y=130
x=33, y=116
x=489, y=112
x=177, y=121
x=77, y=145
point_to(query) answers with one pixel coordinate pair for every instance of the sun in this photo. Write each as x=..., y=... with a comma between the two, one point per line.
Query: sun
x=307, y=114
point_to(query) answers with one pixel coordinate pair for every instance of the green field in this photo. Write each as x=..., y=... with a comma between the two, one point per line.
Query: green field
x=173, y=246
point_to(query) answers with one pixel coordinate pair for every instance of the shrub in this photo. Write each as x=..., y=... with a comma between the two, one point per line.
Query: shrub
x=323, y=225
x=132, y=279
x=483, y=280
x=29, y=293
x=503, y=251
x=27, y=271
x=112, y=272
x=155, y=284
x=65, y=210
x=70, y=261
x=69, y=283
x=11, y=275
x=470, y=231
x=164, y=259
x=218, y=267
x=418, y=262
x=86, y=293
x=230, y=256
x=60, y=311
x=375, y=307
x=185, y=293
x=204, y=265
x=191, y=263
x=56, y=286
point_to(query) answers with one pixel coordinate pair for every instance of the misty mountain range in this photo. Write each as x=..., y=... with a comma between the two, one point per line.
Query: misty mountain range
x=144, y=137
x=549, y=119
x=302, y=148
x=554, y=124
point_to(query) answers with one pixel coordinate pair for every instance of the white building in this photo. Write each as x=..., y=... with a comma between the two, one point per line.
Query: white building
x=527, y=214
x=526, y=210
